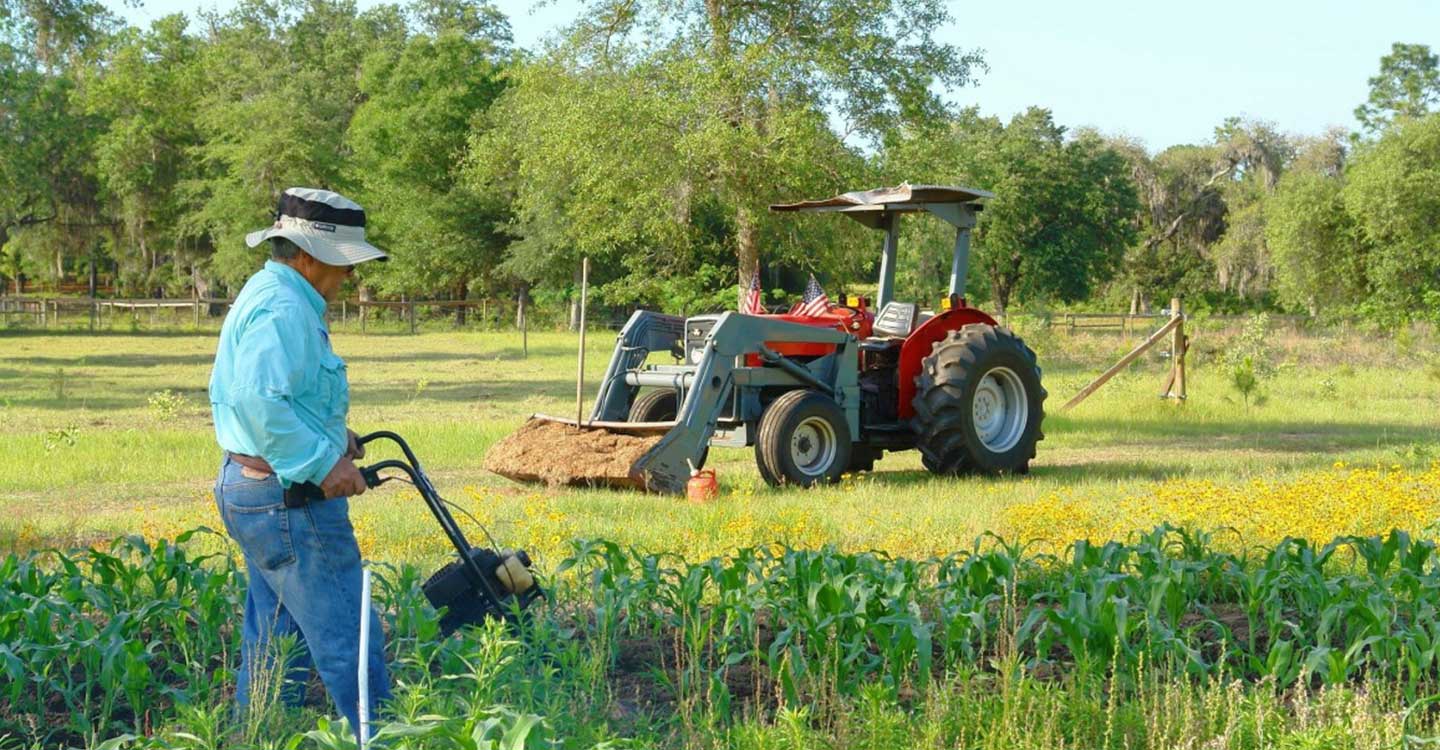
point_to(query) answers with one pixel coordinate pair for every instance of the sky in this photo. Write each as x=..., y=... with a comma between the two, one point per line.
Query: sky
x=1162, y=71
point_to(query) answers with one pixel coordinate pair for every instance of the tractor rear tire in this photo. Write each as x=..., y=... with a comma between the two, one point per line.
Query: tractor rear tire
x=803, y=440
x=979, y=403
x=655, y=406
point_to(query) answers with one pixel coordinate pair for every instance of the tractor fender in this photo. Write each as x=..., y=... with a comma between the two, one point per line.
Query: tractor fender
x=919, y=344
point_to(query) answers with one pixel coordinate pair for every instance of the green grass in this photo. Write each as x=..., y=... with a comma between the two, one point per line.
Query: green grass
x=87, y=456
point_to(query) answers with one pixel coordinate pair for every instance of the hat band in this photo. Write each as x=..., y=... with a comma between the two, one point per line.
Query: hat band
x=300, y=208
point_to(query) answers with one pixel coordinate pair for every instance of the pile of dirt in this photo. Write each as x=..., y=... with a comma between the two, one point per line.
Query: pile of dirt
x=561, y=454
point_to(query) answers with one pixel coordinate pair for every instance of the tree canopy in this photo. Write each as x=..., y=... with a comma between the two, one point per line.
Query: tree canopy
x=1064, y=212
x=651, y=136
x=1407, y=86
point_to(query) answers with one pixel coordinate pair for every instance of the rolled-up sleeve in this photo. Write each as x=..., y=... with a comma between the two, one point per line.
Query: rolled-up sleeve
x=263, y=400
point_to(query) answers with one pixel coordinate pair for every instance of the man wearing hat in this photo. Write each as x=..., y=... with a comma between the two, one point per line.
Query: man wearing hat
x=279, y=397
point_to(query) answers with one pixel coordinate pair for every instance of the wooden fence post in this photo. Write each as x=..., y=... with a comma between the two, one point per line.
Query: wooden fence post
x=412, y=317
x=580, y=367
x=1179, y=343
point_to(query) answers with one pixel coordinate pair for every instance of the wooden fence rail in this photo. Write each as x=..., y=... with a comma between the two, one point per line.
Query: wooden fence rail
x=48, y=312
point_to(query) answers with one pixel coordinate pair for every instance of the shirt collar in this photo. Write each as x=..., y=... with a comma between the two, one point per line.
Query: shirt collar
x=292, y=278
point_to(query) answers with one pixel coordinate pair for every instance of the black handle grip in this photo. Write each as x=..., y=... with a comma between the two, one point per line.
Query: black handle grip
x=298, y=495
x=372, y=476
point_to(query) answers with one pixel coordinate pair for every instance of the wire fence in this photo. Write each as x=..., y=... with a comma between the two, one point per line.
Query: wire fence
x=415, y=316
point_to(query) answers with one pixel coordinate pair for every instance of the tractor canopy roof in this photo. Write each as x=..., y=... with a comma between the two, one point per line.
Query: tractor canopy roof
x=868, y=206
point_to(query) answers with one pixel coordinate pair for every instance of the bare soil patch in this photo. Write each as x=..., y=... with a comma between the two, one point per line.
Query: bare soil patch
x=559, y=454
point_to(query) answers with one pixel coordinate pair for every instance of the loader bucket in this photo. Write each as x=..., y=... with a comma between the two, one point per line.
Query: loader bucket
x=554, y=451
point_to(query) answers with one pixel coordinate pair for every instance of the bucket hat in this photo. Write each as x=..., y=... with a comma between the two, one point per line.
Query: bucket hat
x=325, y=224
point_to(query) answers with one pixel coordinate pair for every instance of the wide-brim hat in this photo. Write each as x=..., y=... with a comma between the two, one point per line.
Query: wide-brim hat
x=325, y=224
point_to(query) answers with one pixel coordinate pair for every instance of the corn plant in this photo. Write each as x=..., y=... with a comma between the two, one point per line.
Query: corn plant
x=135, y=644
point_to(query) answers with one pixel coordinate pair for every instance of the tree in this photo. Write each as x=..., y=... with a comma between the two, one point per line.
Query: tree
x=1064, y=210
x=1319, y=264
x=1259, y=153
x=1407, y=86
x=723, y=108
x=282, y=83
x=422, y=103
x=1192, y=197
x=1318, y=256
x=1392, y=190
x=47, y=185
x=147, y=94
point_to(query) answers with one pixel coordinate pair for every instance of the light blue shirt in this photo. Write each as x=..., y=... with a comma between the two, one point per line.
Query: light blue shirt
x=278, y=391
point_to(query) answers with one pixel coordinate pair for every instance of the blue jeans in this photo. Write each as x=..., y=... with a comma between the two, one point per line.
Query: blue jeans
x=304, y=581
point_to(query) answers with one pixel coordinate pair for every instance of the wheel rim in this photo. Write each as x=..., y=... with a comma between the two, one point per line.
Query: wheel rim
x=813, y=446
x=1001, y=410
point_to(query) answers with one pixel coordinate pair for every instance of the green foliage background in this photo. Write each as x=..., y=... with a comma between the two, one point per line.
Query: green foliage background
x=651, y=137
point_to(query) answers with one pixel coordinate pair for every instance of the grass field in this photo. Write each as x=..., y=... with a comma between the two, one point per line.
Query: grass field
x=109, y=434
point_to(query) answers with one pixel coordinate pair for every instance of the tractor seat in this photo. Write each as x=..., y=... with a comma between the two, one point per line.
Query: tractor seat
x=895, y=322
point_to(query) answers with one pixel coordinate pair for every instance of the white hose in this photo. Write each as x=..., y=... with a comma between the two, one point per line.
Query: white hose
x=364, y=676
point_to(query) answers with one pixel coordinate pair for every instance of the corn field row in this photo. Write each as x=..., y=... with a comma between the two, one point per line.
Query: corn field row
x=135, y=645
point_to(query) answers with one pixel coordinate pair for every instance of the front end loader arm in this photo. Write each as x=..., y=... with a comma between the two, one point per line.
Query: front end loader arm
x=644, y=333
x=666, y=466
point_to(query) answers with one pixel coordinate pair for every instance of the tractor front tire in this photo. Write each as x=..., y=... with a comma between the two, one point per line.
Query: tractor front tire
x=803, y=440
x=979, y=403
x=655, y=406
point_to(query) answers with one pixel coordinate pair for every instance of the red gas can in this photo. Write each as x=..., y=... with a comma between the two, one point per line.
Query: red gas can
x=702, y=487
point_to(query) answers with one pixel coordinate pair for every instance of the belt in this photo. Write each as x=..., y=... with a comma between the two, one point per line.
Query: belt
x=296, y=495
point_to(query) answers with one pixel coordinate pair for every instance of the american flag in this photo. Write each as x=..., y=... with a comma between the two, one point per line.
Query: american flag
x=814, y=303
x=750, y=305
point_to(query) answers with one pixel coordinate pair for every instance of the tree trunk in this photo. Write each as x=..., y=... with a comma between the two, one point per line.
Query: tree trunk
x=575, y=303
x=1002, y=300
x=747, y=249
x=1002, y=291
x=198, y=285
x=1003, y=278
x=520, y=300
x=365, y=296
x=461, y=294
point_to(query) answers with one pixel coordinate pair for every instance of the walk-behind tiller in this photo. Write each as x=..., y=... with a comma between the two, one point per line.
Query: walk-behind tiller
x=481, y=583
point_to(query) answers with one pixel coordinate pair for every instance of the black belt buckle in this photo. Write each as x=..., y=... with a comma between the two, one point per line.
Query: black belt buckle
x=301, y=495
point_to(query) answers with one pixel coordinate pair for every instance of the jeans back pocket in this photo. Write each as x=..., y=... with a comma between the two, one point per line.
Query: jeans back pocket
x=254, y=513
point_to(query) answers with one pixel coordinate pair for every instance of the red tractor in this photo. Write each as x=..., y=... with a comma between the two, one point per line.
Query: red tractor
x=820, y=395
